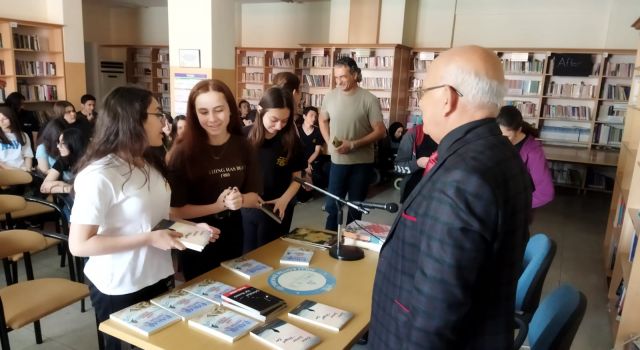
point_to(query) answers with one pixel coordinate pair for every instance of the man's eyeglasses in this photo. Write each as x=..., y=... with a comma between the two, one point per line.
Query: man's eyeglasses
x=160, y=115
x=422, y=92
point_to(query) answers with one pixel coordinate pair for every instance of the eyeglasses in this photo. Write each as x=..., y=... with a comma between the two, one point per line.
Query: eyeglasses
x=160, y=115
x=422, y=92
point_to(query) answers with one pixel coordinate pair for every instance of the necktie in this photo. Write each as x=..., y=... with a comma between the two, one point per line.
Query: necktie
x=431, y=162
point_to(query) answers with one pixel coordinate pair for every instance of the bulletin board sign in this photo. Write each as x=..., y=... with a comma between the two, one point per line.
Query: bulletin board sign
x=183, y=82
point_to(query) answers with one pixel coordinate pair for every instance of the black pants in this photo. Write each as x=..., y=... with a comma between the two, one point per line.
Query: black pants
x=227, y=246
x=260, y=229
x=105, y=304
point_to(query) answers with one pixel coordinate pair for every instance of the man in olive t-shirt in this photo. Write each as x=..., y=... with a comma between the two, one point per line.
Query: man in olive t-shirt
x=350, y=122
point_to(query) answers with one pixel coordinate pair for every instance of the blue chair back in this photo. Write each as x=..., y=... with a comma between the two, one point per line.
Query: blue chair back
x=538, y=257
x=556, y=321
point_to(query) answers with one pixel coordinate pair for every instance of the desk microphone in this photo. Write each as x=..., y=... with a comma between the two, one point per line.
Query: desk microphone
x=390, y=207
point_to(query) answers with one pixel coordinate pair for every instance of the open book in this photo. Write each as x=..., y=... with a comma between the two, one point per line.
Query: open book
x=193, y=237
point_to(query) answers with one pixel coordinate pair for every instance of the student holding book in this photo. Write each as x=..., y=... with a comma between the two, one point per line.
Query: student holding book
x=121, y=193
x=274, y=137
x=213, y=172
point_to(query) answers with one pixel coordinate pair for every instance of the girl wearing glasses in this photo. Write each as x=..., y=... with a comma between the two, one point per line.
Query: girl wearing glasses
x=66, y=112
x=71, y=146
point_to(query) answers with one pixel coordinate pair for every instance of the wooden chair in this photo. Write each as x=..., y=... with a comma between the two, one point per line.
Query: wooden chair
x=27, y=302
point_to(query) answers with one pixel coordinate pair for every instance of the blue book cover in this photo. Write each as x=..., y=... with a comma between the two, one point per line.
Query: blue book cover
x=297, y=256
x=223, y=323
x=182, y=303
x=246, y=267
x=145, y=318
x=210, y=290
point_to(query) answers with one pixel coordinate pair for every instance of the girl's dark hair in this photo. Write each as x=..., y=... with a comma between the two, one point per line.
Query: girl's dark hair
x=309, y=108
x=287, y=81
x=392, y=130
x=275, y=97
x=511, y=118
x=243, y=101
x=60, y=106
x=174, y=126
x=76, y=143
x=349, y=62
x=14, y=100
x=49, y=136
x=15, y=126
x=120, y=130
x=190, y=148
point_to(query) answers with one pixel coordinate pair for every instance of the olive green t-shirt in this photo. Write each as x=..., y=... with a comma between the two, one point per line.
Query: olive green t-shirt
x=350, y=118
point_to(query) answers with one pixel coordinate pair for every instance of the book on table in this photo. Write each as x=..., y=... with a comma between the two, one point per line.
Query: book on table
x=145, y=318
x=222, y=323
x=284, y=336
x=322, y=315
x=193, y=237
x=313, y=237
x=295, y=255
x=253, y=302
x=182, y=303
x=366, y=235
x=210, y=290
x=246, y=268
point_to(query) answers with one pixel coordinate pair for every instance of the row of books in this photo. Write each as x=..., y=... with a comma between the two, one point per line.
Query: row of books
x=567, y=174
x=315, y=61
x=522, y=87
x=163, y=55
x=162, y=87
x=375, y=62
x=385, y=103
x=567, y=112
x=621, y=292
x=376, y=83
x=421, y=64
x=527, y=108
x=2, y=69
x=26, y=41
x=415, y=83
x=623, y=70
x=312, y=99
x=35, y=68
x=41, y=92
x=573, y=90
x=617, y=92
x=254, y=94
x=565, y=133
x=257, y=77
x=252, y=61
x=162, y=72
x=138, y=70
x=282, y=62
x=522, y=67
x=606, y=134
x=317, y=80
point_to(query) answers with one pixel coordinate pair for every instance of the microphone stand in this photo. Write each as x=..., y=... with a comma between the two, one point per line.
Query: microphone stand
x=339, y=251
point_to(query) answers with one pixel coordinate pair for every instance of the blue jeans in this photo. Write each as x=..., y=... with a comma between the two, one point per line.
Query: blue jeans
x=350, y=179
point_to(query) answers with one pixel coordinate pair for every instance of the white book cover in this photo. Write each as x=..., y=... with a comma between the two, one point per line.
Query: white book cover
x=297, y=256
x=223, y=323
x=285, y=336
x=182, y=303
x=210, y=290
x=145, y=318
x=246, y=268
x=193, y=237
x=321, y=314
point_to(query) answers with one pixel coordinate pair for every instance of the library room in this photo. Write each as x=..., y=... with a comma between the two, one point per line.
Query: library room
x=326, y=174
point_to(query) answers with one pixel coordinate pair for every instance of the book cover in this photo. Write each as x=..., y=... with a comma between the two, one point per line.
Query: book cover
x=225, y=324
x=313, y=237
x=193, y=237
x=268, y=208
x=145, y=318
x=367, y=231
x=297, y=256
x=372, y=246
x=182, y=303
x=255, y=315
x=321, y=314
x=285, y=336
x=253, y=299
x=246, y=268
x=210, y=290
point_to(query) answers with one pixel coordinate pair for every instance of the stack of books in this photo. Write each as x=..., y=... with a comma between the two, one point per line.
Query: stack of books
x=253, y=302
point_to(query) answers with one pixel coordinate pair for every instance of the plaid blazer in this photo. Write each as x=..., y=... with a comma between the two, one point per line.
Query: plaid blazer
x=447, y=274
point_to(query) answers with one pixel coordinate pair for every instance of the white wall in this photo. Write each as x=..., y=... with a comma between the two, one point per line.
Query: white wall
x=73, y=31
x=126, y=26
x=339, y=21
x=285, y=24
x=47, y=11
x=391, y=21
x=196, y=34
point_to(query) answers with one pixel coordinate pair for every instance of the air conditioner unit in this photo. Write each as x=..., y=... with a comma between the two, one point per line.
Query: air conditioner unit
x=112, y=75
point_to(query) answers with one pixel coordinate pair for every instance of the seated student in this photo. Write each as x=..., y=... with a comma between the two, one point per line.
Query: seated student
x=28, y=120
x=66, y=112
x=523, y=136
x=396, y=131
x=15, y=147
x=247, y=115
x=71, y=146
x=87, y=110
x=47, y=149
x=413, y=154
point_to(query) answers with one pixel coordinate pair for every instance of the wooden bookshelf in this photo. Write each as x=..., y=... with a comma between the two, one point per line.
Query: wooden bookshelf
x=148, y=68
x=623, y=224
x=32, y=61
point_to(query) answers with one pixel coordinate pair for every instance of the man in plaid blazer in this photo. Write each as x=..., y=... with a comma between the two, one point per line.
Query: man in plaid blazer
x=447, y=274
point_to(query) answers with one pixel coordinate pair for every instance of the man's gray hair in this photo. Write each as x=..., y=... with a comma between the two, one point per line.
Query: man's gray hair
x=476, y=89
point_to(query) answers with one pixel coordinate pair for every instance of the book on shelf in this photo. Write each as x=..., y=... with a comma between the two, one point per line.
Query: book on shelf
x=321, y=315
x=313, y=237
x=182, y=303
x=285, y=336
x=253, y=302
x=268, y=208
x=295, y=255
x=145, y=318
x=246, y=268
x=193, y=237
x=222, y=323
x=634, y=244
x=210, y=290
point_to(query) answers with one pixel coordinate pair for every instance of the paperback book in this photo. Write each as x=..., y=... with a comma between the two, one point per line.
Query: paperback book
x=210, y=290
x=145, y=318
x=268, y=208
x=297, y=256
x=193, y=237
x=366, y=235
x=316, y=238
x=224, y=324
x=253, y=300
x=285, y=336
x=321, y=315
x=246, y=268
x=182, y=303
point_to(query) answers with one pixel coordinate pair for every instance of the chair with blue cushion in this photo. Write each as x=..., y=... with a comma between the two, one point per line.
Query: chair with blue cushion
x=556, y=321
x=538, y=257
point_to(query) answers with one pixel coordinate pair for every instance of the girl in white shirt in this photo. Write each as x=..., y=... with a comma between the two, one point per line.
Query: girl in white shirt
x=15, y=148
x=121, y=194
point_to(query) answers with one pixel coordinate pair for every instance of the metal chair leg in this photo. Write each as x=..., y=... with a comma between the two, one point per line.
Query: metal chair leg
x=7, y=271
x=36, y=327
x=14, y=271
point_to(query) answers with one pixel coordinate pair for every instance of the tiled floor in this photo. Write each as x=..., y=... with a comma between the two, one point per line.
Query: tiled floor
x=575, y=222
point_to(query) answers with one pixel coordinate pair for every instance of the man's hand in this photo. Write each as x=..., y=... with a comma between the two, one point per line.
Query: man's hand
x=345, y=147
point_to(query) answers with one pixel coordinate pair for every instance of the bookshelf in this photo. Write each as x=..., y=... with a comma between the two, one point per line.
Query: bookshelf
x=32, y=61
x=623, y=224
x=148, y=68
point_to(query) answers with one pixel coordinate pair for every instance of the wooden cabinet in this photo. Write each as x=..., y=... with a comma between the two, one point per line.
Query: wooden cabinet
x=148, y=68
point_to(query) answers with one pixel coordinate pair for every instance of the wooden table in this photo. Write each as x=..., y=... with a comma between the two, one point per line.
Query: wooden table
x=580, y=155
x=352, y=292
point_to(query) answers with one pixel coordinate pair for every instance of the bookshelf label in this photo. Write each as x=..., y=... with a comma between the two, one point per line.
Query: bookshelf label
x=426, y=56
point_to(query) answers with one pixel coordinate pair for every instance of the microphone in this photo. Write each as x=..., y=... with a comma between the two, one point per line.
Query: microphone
x=390, y=207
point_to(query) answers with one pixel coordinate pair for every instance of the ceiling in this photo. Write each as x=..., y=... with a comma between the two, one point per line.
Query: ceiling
x=163, y=3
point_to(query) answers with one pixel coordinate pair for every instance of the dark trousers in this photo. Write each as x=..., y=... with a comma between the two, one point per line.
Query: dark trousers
x=227, y=246
x=260, y=229
x=104, y=304
x=352, y=180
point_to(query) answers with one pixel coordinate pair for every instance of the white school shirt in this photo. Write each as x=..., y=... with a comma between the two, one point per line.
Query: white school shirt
x=123, y=202
x=13, y=153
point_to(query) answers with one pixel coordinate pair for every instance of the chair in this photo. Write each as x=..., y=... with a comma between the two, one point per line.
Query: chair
x=27, y=302
x=556, y=321
x=538, y=257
